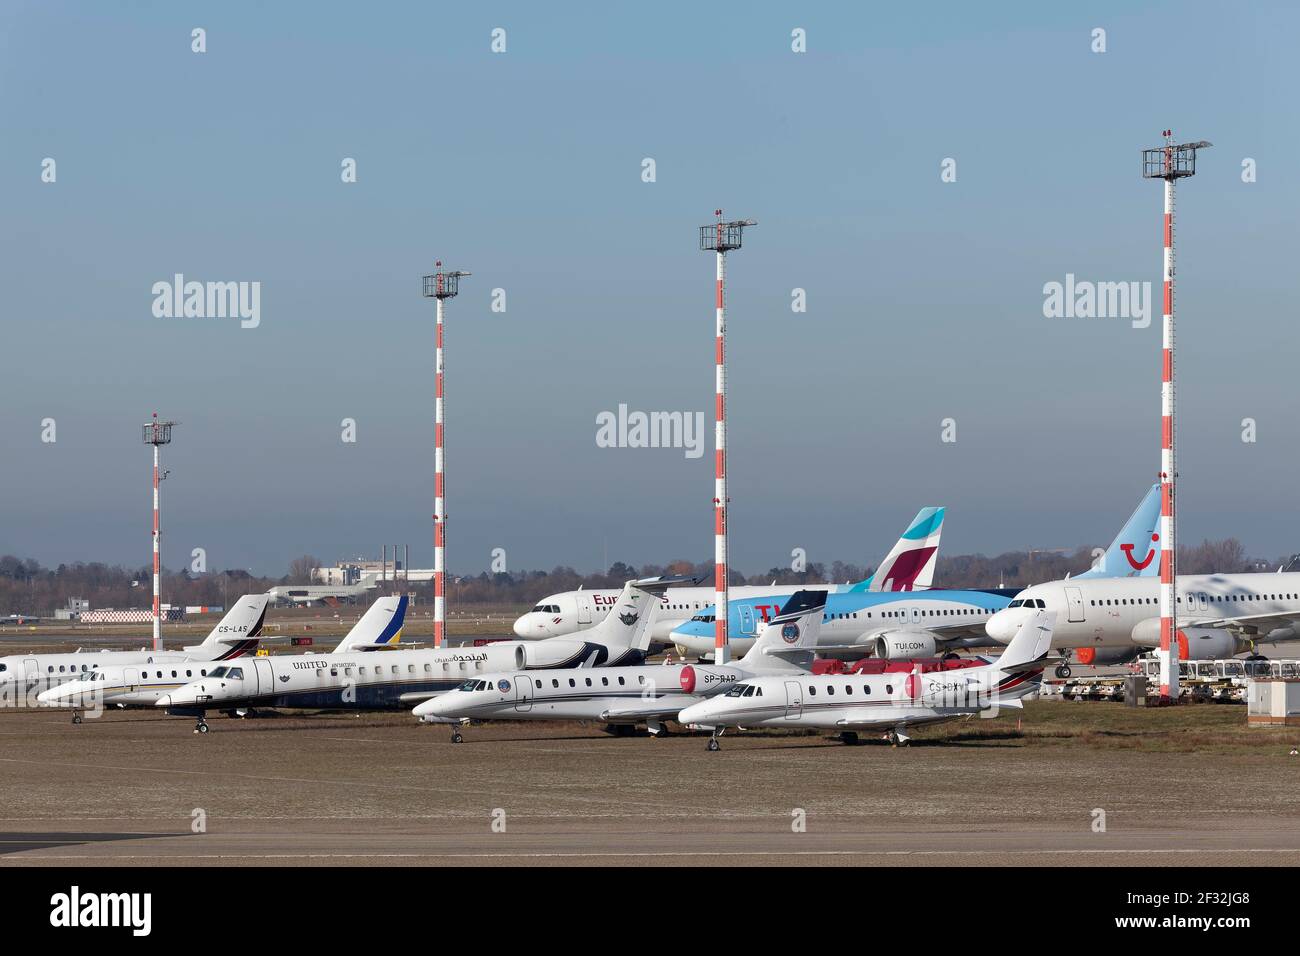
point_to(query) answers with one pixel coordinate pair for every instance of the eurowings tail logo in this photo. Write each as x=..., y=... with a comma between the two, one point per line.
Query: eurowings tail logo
x=1151, y=553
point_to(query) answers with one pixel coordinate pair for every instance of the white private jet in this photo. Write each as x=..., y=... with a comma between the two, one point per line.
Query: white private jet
x=396, y=679
x=141, y=685
x=851, y=703
x=909, y=566
x=24, y=676
x=622, y=697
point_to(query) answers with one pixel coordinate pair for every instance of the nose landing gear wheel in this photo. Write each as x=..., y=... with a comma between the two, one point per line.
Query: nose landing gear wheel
x=1063, y=671
x=201, y=726
x=456, y=738
x=76, y=718
x=714, y=745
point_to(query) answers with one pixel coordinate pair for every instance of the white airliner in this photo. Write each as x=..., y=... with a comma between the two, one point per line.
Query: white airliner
x=1219, y=615
x=395, y=679
x=24, y=676
x=851, y=703
x=622, y=697
x=909, y=566
x=140, y=685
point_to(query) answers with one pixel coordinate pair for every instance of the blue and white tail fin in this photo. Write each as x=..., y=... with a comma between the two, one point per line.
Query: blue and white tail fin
x=379, y=627
x=789, y=641
x=237, y=632
x=909, y=566
x=1135, y=552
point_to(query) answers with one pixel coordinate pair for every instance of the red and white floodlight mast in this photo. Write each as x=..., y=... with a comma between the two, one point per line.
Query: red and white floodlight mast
x=157, y=433
x=1169, y=162
x=720, y=238
x=441, y=286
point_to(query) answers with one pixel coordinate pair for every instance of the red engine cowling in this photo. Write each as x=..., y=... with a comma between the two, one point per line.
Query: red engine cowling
x=708, y=678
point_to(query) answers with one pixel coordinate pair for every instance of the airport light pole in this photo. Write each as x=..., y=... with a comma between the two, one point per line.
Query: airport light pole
x=720, y=238
x=1170, y=163
x=157, y=433
x=442, y=286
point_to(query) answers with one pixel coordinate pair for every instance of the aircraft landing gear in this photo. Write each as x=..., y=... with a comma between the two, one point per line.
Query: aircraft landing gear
x=76, y=716
x=713, y=744
x=456, y=738
x=200, y=726
x=849, y=738
x=1063, y=671
x=897, y=739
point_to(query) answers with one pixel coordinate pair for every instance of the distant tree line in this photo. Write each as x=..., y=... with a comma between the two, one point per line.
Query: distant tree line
x=27, y=587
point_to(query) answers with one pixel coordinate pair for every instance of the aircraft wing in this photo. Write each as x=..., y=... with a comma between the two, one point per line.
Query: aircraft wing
x=642, y=710
x=418, y=696
x=1255, y=624
x=949, y=632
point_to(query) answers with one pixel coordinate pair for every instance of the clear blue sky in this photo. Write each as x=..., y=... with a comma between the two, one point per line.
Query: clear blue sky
x=924, y=298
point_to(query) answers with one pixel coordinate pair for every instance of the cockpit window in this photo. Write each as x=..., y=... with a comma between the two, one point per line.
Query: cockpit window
x=219, y=671
x=469, y=685
x=235, y=673
x=739, y=690
x=1016, y=603
x=547, y=609
x=704, y=618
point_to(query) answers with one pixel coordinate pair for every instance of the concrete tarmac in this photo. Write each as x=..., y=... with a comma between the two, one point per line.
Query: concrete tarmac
x=131, y=787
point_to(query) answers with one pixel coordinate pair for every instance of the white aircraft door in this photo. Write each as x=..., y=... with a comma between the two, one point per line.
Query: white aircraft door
x=523, y=693
x=584, y=608
x=265, y=678
x=793, y=699
x=32, y=667
x=914, y=615
x=1074, y=598
x=131, y=678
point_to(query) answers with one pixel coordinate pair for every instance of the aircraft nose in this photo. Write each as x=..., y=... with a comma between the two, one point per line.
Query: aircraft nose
x=1003, y=625
x=49, y=696
x=694, y=714
x=521, y=626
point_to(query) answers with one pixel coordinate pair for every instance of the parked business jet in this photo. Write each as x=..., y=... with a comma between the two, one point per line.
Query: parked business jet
x=851, y=703
x=24, y=676
x=622, y=697
x=141, y=685
x=1219, y=615
x=395, y=679
x=909, y=566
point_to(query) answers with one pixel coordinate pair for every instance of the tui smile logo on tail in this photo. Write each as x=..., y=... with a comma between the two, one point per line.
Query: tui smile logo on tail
x=1140, y=565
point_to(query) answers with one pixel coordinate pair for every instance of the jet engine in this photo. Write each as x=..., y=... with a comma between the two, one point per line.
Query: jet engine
x=1209, y=644
x=550, y=653
x=1194, y=643
x=1106, y=656
x=903, y=645
x=708, y=678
